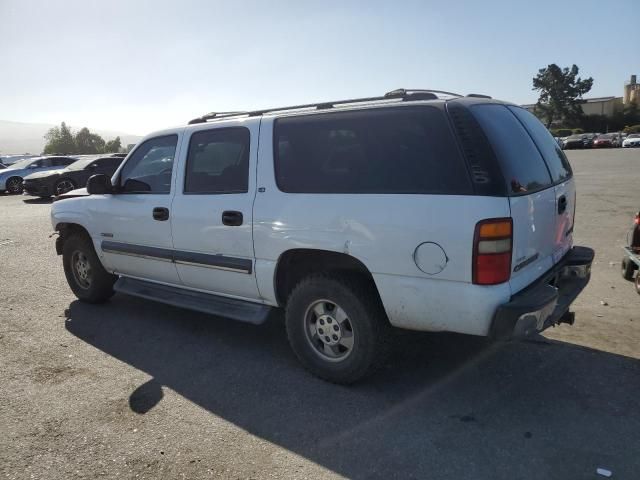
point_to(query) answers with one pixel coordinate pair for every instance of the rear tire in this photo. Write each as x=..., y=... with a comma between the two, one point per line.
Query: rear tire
x=637, y=284
x=86, y=276
x=14, y=185
x=628, y=267
x=337, y=327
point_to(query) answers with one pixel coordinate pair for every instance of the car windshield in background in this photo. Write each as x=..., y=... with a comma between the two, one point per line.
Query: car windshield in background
x=634, y=135
x=22, y=163
x=80, y=164
x=576, y=137
x=606, y=136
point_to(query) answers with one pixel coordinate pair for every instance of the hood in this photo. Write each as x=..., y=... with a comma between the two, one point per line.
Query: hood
x=78, y=192
x=47, y=173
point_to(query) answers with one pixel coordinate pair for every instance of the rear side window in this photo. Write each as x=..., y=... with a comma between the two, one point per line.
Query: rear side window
x=386, y=150
x=551, y=151
x=218, y=161
x=521, y=163
x=62, y=161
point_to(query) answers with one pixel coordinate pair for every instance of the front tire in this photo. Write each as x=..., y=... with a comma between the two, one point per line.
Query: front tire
x=337, y=328
x=14, y=185
x=86, y=276
x=64, y=185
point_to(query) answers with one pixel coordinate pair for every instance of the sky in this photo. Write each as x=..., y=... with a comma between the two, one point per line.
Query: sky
x=138, y=66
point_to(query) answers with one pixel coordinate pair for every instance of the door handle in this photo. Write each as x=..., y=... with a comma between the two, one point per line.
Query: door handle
x=562, y=204
x=232, y=218
x=161, y=214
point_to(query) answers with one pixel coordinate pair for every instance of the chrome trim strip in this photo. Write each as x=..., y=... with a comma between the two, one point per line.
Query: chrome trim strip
x=219, y=262
x=217, y=267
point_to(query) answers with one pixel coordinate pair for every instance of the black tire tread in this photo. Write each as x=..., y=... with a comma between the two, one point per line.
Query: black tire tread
x=628, y=267
x=380, y=331
x=102, y=281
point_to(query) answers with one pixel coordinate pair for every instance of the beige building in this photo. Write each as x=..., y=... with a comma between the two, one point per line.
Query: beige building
x=631, y=91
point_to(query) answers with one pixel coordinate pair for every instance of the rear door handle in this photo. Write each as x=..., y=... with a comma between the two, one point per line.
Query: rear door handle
x=232, y=218
x=161, y=214
x=562, y=204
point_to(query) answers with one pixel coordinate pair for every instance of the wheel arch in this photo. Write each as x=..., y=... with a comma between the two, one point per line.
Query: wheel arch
x=295, y=264
x=66, y=230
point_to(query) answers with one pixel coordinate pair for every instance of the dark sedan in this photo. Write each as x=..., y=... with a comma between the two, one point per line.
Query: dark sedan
x=575, y=141
x=46, y=184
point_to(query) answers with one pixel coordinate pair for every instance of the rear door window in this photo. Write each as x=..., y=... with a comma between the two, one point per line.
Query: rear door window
x=218, y=161
x=551, y=151
x=522, y=165
x=386, y=150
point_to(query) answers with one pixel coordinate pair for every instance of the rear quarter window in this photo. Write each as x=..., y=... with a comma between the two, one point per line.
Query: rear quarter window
x=521, y=163
x=549, y=148
x=386, y=150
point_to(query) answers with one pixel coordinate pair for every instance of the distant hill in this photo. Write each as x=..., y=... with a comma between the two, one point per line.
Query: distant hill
x=19, y=138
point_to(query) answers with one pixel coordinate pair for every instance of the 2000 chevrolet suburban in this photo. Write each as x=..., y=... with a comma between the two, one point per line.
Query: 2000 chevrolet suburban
x=420, y=209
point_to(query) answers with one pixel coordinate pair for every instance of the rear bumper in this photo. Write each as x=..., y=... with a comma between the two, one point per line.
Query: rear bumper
x=545, y=302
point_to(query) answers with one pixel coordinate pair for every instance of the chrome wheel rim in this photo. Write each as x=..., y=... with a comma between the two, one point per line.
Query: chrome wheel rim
x=329, y=330
x=64, y=186
x=81, y=269
x=13, y=185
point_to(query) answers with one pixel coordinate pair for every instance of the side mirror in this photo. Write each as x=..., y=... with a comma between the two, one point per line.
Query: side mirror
x=99, y=184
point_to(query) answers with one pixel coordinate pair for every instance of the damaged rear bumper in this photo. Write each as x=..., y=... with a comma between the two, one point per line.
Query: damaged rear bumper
x=545, y=302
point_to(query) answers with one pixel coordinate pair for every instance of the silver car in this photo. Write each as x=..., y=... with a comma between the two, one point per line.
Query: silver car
x=11, y=177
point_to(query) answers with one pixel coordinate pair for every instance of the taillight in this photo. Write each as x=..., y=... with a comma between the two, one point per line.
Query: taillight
x=637, y=219
x=492, y=245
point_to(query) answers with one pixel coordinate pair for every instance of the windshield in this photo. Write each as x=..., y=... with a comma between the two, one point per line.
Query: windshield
x=605, y=137
x=634, y=135
x=80, y=164
x=23, y=163
x=576, y=137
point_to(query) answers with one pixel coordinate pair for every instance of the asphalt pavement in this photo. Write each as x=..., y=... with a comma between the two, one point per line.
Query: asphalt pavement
x=133, y=389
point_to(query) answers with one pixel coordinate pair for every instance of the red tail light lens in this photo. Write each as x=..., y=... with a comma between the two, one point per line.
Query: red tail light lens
x=637, y=219
x=492, y=247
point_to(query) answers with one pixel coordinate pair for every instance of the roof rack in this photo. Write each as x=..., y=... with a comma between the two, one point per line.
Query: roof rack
x=212, y=115
x=401, y=94
x=478, y=95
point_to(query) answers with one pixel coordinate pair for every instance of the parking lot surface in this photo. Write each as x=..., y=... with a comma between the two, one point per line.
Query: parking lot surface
x=133, y=389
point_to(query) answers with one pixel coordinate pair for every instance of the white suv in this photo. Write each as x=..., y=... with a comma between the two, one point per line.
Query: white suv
x=420, y=210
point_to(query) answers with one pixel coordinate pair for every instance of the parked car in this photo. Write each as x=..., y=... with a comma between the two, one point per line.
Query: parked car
x=411, y=210
x=575, y=141
x=57, y=182
x=11, y=177
x=589, y=138
x=632, y=140
x=607, y=140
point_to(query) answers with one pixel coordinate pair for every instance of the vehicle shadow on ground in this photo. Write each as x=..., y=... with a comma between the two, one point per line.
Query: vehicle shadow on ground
x=38, y=200
x=446, y=406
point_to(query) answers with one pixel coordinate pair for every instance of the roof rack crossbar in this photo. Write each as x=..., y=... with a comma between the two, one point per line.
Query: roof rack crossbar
x=398, y=94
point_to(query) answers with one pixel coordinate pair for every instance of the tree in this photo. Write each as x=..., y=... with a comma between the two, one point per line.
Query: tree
x=561, y=91
x=87, y=142
x=60, y=140
x=113, y=146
